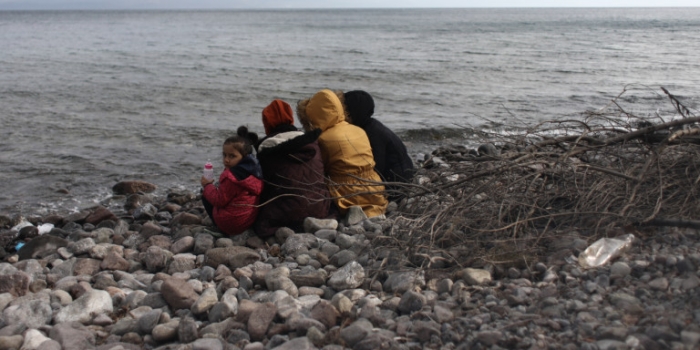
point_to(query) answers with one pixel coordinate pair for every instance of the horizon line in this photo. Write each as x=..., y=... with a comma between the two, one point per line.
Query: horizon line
x=39, y=8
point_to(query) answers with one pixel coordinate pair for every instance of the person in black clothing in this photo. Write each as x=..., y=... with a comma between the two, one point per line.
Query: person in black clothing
x=392, y=161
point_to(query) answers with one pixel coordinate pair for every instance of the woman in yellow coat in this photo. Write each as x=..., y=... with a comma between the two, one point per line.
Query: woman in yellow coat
x=347, y=155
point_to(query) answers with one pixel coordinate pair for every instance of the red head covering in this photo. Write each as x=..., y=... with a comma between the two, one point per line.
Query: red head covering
x=276, y=113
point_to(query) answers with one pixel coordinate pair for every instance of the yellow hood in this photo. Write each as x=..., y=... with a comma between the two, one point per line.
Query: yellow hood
x=325, y=110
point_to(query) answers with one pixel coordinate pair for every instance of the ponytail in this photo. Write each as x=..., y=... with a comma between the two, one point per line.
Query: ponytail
x=243, y=141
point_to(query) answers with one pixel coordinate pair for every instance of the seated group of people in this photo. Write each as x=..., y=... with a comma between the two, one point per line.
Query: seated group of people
x=341, y=159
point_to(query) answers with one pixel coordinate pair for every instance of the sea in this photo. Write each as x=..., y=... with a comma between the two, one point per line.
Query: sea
x=91, y=98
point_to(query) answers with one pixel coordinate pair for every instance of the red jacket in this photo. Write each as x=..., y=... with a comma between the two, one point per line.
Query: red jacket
x=236, y=198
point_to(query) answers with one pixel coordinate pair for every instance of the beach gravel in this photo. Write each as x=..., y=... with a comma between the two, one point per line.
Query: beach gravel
x=153, y=281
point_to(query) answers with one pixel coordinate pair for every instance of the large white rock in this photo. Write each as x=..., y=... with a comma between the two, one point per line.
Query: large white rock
x=33, y=339
x=347, y=277
x=83, y=309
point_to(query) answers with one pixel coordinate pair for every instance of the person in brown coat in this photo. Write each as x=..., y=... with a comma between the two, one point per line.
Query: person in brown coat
x=295, y=187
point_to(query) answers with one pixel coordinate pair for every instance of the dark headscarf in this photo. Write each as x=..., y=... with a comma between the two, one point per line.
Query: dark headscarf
x=360, y=106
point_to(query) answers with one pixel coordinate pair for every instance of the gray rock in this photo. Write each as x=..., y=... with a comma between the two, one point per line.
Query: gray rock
x=206, y=301
x=286, y=306
x=82, y=246
x=411, y=301
x=32, y=314
x=382, y=339
x=145, y=212
x=343, y=257
x=278, y=279
x=691, y=340
x=219, y=312
x=73, y=336
x=312, y=225
x=260, y=320
x=619, y=270
x=178, y=293
x=329, y=248
x=400, y=282
x=626, y=302
x=660, y=283
x=165, y=332
x=300, y=343
x=203, y=242
x=328, y=235
x=6, y=298
x=229, y=297
x=184, y=218
x=345, y=241
x=299, y=244
x=611, y=345
x=187, y=330
x=131, y=187
x=325, y=313
x=355, y=332
x=354, y=216
x=283, y=233
x=206, y=273
x=489, y=337
x=207, y=344
x=181, y=263
x=16, y=284
x=352, y=275
x=157, y=258
x=690, y=283
x=148, y=321
x=182, y=245
x=475, y=276
x=11, y=341
x=114, y=261
x=233, y=257
x=425, y=330
x=124, y=326
x=488, y=149
x=301, y=325
x=33, y=339
x=83, y=309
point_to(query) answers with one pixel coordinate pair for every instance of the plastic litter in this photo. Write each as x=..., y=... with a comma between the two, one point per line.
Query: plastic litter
x=19, y=246
x=45, y=228
x=604, y=250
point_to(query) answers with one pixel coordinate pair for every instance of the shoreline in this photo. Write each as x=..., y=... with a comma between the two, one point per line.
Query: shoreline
x=163, y=279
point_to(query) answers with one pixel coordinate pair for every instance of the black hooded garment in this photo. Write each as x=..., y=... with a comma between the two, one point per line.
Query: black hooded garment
x=390, y=155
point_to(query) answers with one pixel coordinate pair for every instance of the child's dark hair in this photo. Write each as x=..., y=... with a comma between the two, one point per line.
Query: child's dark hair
x=243, y=142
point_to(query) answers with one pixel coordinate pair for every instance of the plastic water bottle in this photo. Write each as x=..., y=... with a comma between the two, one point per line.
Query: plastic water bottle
x=208, y=171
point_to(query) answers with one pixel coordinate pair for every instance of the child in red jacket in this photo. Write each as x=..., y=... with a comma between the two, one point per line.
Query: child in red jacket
x=232, y=205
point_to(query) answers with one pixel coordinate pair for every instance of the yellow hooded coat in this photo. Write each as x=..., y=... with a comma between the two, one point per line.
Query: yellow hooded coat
x=347, y=157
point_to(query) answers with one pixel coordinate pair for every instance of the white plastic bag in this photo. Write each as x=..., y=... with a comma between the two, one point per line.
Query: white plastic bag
x=45, y=228
x=603, y=250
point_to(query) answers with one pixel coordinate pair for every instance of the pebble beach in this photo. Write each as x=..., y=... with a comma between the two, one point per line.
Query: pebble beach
x=159, y=276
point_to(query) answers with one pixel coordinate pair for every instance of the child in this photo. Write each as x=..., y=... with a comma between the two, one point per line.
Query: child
x=232, y=206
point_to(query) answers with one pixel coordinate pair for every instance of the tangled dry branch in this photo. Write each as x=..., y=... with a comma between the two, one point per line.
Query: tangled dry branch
x=607, y=172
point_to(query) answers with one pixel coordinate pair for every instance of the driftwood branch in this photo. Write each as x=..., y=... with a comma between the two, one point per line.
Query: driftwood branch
x=589, y=178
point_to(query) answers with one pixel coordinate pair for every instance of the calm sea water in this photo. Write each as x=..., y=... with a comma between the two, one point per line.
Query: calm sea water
x=89, y=98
